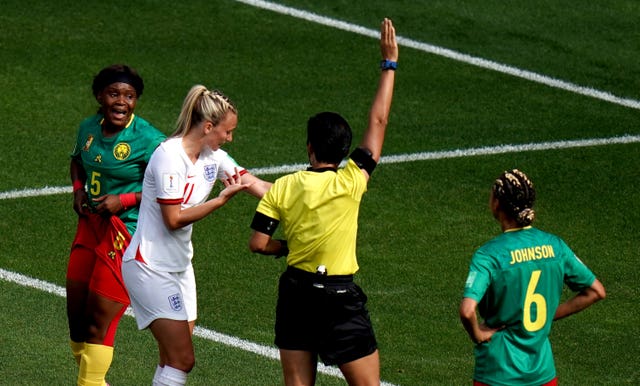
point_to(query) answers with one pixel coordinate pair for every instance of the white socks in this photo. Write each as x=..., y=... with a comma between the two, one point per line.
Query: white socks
x=168, y=376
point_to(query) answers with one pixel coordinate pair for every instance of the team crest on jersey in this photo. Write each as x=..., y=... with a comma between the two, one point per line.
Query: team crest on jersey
x=122, y=151
x=175, y=302
x=210, y=172
x=88, y=143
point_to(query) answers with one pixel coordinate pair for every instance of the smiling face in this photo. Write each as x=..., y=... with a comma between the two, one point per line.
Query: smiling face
x=117, y=101
x=217, y=136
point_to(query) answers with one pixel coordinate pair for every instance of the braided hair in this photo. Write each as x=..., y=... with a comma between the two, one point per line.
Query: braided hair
x=516, y=195
x=202, y=104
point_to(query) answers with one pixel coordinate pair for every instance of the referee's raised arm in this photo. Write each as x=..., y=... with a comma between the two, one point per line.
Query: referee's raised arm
x=373, y=137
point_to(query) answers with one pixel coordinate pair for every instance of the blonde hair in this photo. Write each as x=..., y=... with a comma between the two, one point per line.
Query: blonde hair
x=202, y=104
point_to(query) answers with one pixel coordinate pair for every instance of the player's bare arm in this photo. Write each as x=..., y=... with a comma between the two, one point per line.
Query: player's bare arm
x=257, y=187
x=478, y=332
x=581, y=300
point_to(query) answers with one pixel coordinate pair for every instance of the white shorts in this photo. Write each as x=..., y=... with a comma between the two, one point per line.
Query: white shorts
x=160, y=295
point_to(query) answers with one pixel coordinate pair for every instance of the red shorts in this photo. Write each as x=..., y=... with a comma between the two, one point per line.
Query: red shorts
x=553, y=382
x=96, y=256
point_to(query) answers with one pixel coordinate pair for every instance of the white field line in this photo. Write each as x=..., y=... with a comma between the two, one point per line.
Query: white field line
x=201, y=332
x=271, y=352
x=399, y=158
x=447, y=53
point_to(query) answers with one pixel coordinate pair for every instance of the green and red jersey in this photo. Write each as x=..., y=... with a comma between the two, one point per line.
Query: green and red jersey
x=116, y=164
x=517, y=279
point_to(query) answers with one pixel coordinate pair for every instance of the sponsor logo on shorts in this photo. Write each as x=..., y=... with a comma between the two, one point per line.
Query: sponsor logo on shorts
x=175, y=302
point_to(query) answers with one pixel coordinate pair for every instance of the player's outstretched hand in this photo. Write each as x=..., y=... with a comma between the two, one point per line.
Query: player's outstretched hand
x=232, y=185
x=388, y=44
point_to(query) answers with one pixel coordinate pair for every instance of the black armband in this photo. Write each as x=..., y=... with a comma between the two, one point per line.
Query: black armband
x=364, y=160
x=264, y=224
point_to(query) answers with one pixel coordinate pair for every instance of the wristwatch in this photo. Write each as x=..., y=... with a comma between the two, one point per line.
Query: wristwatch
x=388, y=65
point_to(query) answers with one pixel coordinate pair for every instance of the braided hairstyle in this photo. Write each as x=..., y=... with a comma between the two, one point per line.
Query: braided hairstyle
x=516, y=195
x=202, y=104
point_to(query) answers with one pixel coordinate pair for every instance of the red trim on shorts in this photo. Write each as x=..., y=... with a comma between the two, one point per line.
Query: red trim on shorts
x=553, y=382
x=139, y=256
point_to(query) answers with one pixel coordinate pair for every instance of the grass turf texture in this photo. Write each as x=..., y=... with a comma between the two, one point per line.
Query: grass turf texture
x=420, y=221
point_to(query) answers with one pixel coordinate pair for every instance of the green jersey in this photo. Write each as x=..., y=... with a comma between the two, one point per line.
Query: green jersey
x=116, y=164
x=517, y=279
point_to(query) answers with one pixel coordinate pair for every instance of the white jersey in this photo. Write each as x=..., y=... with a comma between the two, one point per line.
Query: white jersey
x=171, y=178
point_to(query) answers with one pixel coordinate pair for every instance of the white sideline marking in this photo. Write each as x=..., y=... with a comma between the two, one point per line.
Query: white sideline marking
x=390, y=159
x=201, y=332
x=447, y=53
x=271, y=352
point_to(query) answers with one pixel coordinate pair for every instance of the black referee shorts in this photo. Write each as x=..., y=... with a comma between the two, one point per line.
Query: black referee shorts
x=326, y=315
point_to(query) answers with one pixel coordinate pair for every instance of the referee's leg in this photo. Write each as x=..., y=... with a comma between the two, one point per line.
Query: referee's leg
x=298, y=367
x=364, y=371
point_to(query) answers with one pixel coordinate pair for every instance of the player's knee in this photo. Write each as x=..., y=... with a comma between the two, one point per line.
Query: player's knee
x=95, y=333
x=185, y=362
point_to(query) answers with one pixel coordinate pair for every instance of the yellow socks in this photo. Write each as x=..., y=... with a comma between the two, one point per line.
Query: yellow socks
x=77, y=348
x=96, y=360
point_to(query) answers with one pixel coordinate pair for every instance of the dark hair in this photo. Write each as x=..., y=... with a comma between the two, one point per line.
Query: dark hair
x=330, y=137
x=114, y=74
x=516, y=196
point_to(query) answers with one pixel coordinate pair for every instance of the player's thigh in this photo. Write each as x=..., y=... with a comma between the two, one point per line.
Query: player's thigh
x=174, y=341
x=298, y=367
x=363, y=371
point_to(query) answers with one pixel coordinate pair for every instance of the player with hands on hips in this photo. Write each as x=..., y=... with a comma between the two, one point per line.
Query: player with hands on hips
x=157, y=266
x=515, y=282
x=111, y=151
x=320, y=311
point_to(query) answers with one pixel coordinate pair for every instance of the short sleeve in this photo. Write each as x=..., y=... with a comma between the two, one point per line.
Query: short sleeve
x=577, y=276
x=227, y=165
x=268, y=204
x=170, y=180
x=478, y=278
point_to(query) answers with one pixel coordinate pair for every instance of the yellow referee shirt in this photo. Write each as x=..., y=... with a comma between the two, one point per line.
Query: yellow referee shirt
x=318, y=211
